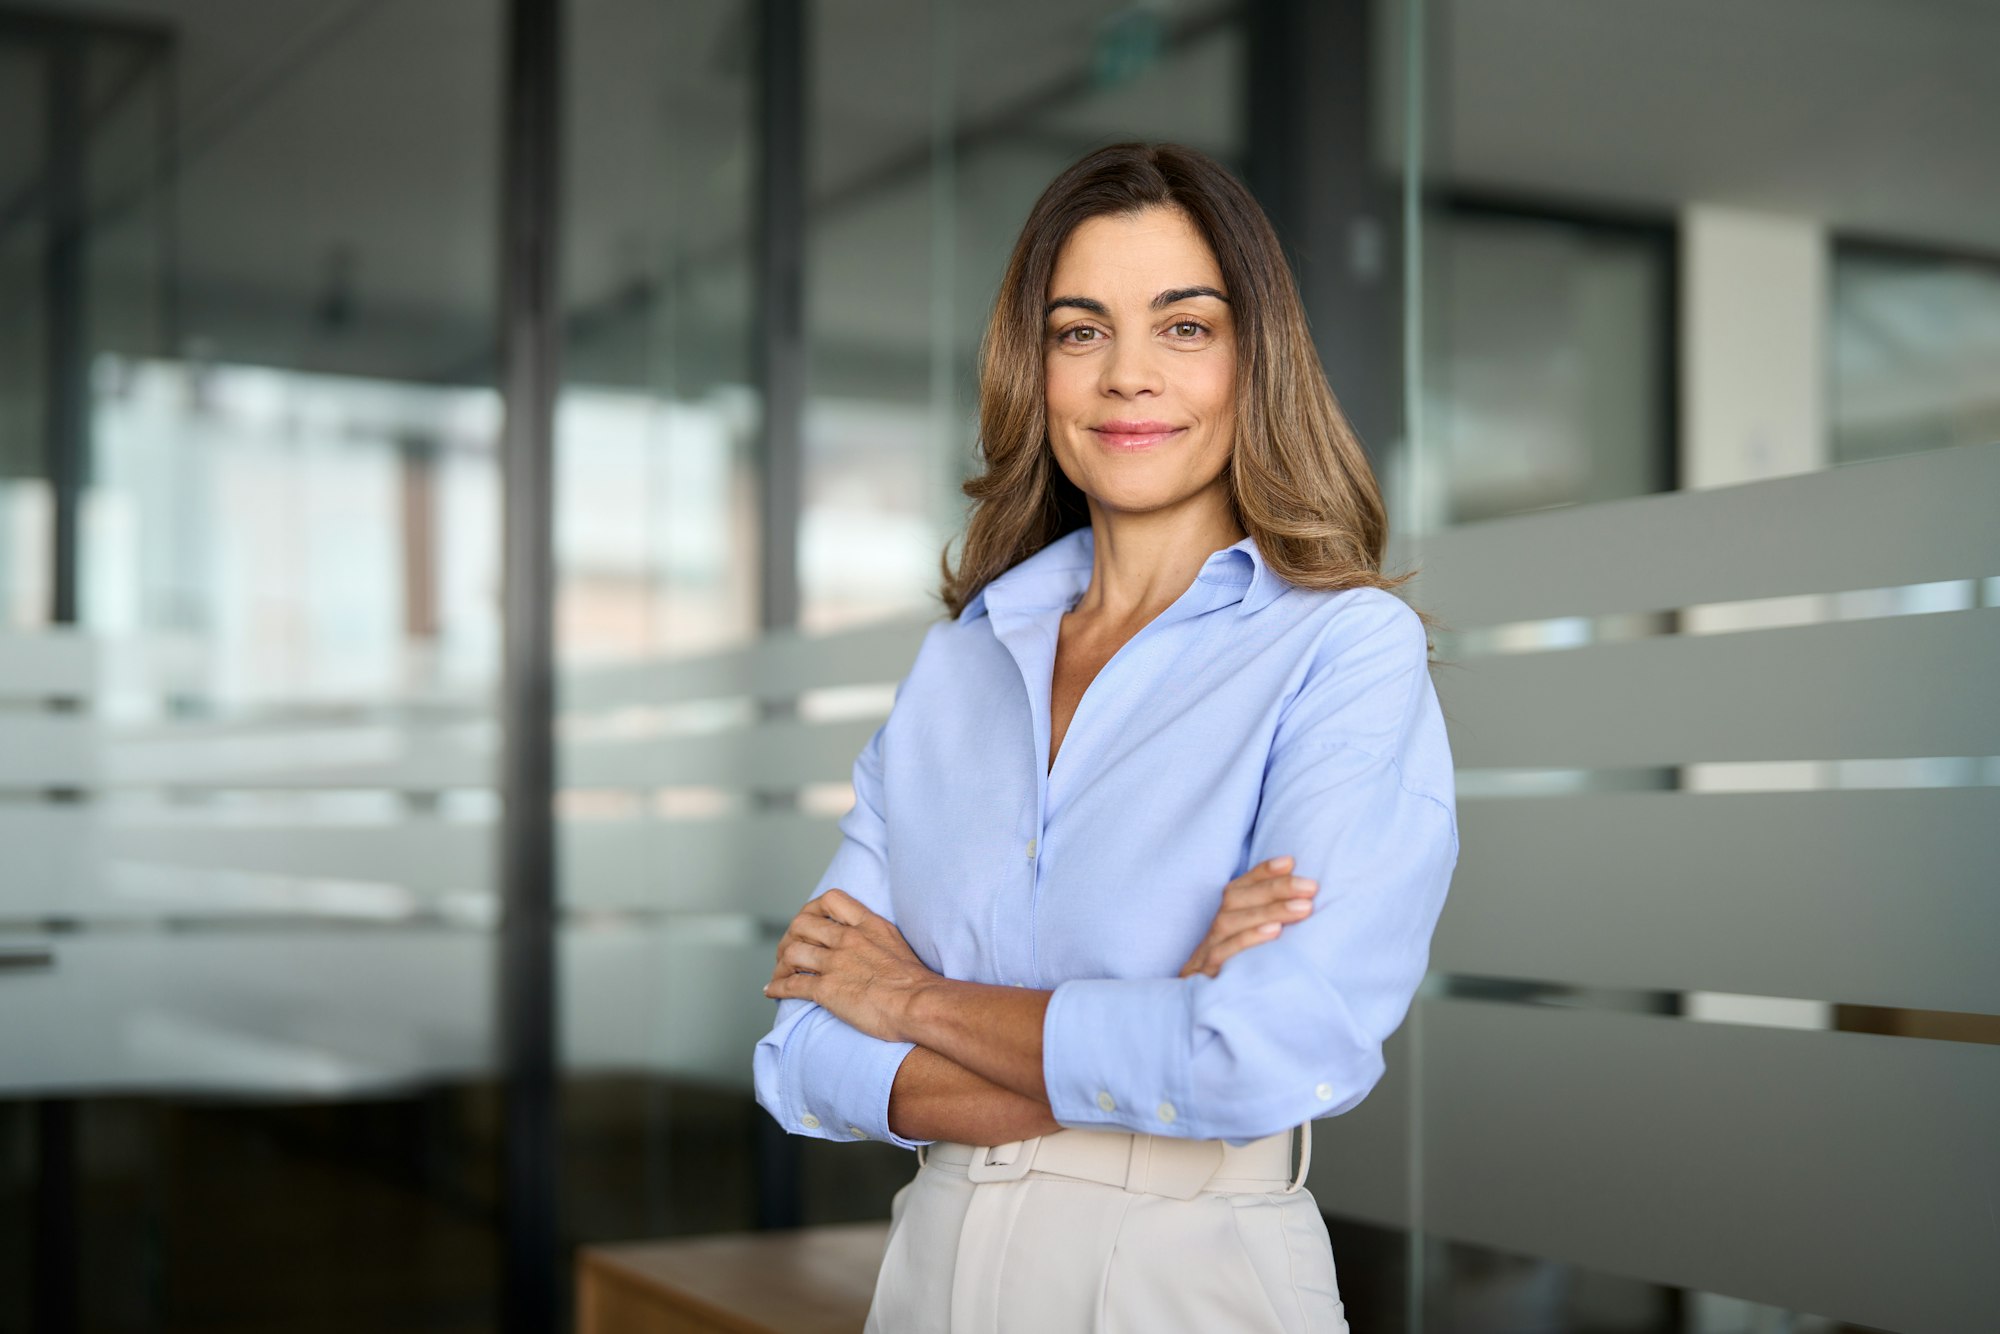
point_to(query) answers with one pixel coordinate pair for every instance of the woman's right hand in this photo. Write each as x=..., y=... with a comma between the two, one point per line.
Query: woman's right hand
x=1256, y=906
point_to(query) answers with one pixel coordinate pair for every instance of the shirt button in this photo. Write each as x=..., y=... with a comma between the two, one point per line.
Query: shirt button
x=809, y=1121
x=1324, y=1093
x=1167, y=1112
x=1104, y=1103
x=1031, y=849
x=857, y=1132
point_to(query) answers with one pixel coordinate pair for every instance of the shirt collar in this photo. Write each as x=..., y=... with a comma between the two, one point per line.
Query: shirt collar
x=1058, y=574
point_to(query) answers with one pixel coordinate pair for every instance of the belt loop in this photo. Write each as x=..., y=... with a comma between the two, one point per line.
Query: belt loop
x=1138, y=1165
x=1302, y=1137
x=922, y=1156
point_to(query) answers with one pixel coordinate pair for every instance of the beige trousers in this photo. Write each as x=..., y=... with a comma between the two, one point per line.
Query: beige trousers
x=1049, y=1254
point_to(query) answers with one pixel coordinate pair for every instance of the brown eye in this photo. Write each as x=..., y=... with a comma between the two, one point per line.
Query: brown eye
x=1189, y=329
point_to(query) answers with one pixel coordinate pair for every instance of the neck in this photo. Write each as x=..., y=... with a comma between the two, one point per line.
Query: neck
x=1142, y=562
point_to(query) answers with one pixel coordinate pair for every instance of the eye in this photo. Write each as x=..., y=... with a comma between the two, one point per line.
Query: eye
x=1081, y=333
x=1188, y=328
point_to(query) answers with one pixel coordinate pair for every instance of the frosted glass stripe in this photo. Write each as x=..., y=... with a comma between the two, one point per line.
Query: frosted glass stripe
x=283, y=1012
x=283, y=754
x=75, y=862
x=48, y=664
x=1840, y=1173
x=775, y=667
x=1868, y=898
x=1909, y=685
x=666, y=1001
x=1914, y=519
x=340, y=1013
x=772, y=757
x=45, y=750
x=764, y=865
x=48, y=856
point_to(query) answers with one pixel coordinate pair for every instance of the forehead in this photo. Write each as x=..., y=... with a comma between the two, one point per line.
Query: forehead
x=1133, y=256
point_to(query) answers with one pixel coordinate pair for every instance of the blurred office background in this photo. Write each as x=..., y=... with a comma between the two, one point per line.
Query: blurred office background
x=1673, y=327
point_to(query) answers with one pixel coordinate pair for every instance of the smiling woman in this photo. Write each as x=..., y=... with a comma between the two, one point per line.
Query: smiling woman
x=1142, y=868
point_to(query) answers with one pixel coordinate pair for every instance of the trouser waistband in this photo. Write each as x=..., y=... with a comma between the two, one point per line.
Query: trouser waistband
x=1142, y=1164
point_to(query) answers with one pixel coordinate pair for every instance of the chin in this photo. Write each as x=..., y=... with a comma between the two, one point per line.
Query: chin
x=1140, y=500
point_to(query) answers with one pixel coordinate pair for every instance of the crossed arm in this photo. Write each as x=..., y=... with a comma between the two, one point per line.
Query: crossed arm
x=975, y=1074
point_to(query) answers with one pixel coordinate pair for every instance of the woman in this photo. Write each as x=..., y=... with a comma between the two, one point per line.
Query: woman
x=1143, y=866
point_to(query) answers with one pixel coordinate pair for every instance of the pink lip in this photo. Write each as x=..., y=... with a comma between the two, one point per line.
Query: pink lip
x=1135, y=435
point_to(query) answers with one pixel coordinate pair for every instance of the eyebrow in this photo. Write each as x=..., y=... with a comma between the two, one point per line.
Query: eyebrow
x=1166, y=298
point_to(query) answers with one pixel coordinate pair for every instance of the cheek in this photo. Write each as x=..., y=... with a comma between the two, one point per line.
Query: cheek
x=1065, y=386
x=1211, y=392
x=1214, y=387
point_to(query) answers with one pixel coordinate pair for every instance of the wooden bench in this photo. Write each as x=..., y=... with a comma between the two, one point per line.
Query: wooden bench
x=809, y=1281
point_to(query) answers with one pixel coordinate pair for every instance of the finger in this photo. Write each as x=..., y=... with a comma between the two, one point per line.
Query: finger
x=783, y=969
x=1259, y=877
x=1288, y=887
x=792, y=986
x=779, y=966
x=1230, y=922
x=1276, y=889
x=805, y=954
x=1262, y=871
x=841, y=907
x=1231, y=946
x=817, y=931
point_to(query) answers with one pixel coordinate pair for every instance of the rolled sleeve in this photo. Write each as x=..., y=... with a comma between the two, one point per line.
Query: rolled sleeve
x=1115, y=1053
x=818, y=1076
x=1358, y=791
x=814, y=1073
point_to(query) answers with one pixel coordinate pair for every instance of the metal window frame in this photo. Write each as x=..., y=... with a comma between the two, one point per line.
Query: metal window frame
x=530, y=338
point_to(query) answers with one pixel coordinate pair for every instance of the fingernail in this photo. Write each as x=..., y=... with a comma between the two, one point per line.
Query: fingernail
x=1303, y=885
x=1300, y=905
x=1281, y=863
x=1268, y=929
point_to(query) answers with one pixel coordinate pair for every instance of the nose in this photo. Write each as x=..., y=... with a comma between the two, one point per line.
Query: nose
x=1132, y=369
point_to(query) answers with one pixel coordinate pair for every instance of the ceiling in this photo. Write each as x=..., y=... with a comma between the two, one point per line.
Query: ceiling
x=336, y=201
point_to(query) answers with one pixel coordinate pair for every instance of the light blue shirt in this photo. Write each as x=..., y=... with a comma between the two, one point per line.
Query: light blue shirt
x=1250, y=719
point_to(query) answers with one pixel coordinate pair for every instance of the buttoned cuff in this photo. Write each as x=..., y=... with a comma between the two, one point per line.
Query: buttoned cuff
x=1114, y=1053
x=835, y=1082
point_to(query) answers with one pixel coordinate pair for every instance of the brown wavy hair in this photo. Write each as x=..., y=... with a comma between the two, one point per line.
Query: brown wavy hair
x=1298, y=480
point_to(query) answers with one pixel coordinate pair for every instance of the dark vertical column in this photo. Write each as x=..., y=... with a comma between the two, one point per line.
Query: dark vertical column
x=57, y=1268
x=1311, y=90
x=529, y=337
x=1270, y=147
x=781, y=376
x=68, y=440
x=780, y=283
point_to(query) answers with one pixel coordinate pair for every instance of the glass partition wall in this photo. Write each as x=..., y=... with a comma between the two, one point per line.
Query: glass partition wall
x=248, y=547
x=1695, y=289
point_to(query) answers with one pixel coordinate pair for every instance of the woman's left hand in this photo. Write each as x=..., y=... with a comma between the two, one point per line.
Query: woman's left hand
x=851, y=961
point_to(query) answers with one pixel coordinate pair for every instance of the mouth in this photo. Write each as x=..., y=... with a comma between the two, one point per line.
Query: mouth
x=1135, y=434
